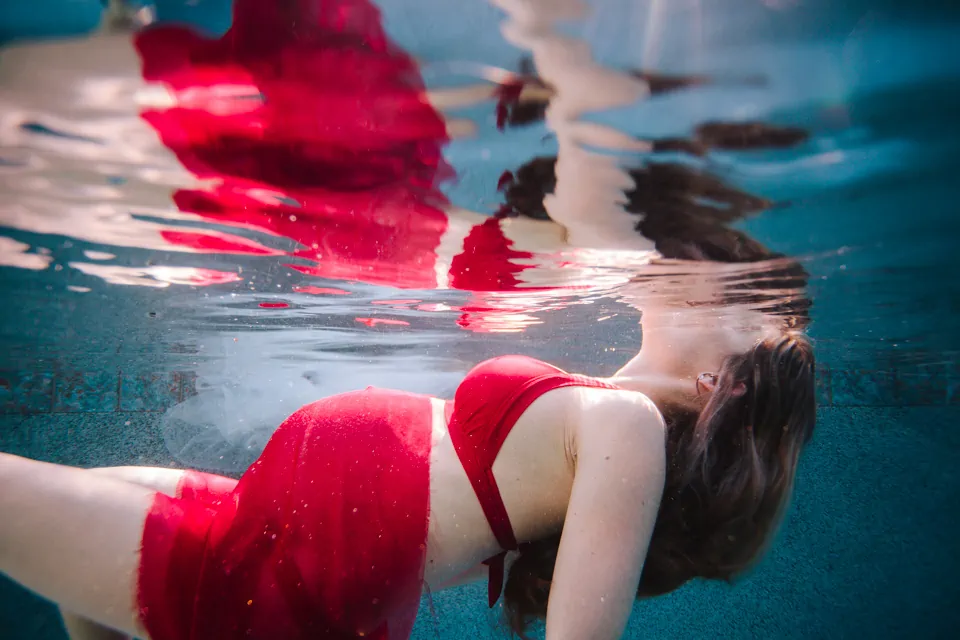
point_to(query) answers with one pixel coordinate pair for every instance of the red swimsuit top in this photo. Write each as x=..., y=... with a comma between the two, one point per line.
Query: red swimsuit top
x=487, y=404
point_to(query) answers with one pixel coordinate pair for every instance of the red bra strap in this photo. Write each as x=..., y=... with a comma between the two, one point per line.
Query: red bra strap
x=488, y=494
x=478, y=449
x=495, y=577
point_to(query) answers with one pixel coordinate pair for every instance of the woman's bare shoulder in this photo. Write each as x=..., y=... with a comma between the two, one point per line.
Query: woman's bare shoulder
x=623, y=403
x=619, y=414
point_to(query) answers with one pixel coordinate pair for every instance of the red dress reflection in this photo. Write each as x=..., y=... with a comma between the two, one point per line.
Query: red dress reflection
x=311, y=125
x=306, y=122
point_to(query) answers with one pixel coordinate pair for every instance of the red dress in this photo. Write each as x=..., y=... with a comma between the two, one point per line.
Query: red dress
x=325, y=535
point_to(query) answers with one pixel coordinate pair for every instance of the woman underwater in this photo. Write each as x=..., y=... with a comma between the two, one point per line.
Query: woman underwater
x=573, y=495
x=677, y=467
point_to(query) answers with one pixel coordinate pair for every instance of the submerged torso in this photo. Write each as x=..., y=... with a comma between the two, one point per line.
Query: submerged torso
x=535, y=410
x=361, y=498
x=534, y=473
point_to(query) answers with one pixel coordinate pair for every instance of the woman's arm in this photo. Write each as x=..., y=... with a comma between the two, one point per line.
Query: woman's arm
x=617, y=486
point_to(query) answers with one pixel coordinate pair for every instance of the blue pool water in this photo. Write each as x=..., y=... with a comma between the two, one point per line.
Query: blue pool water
x=113, y=354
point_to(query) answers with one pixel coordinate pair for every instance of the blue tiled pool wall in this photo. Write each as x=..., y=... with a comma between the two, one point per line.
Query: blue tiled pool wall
x=92, y=391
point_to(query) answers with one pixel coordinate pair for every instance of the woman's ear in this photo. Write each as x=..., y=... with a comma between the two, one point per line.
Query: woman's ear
x=739, y=389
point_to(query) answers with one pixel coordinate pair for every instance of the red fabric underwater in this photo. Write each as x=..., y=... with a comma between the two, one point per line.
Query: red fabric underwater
x=488, y=403
x=323, y=537
x=310, y=124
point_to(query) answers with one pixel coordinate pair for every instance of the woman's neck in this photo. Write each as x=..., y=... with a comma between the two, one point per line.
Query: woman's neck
x=662, y=386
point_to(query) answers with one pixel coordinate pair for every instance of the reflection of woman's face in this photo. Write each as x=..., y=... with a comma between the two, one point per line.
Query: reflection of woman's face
x=693, y=344
x=351, y=188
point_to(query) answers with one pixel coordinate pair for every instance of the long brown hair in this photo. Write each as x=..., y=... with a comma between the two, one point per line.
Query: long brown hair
x=730, y=473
